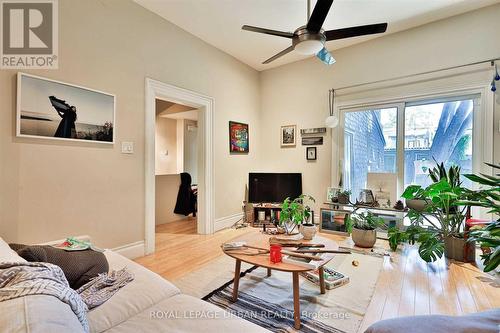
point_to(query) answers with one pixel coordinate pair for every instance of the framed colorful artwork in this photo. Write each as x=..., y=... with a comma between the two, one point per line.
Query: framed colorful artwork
x=238, y=138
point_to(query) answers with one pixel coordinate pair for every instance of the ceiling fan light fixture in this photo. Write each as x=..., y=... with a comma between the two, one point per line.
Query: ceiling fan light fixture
x=309, y=47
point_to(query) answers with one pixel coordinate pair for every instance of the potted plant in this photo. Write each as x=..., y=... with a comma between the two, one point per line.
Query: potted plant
x=362, y=226
x=437, y=226
x=343, y=196
x=489, y=236
x=396, y=237
x=489, y=240
x=295, y=213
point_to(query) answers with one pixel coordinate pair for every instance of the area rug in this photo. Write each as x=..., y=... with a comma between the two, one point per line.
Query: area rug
x=268, y=301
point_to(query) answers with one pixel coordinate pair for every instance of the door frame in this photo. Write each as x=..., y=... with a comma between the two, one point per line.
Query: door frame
x=159, y=90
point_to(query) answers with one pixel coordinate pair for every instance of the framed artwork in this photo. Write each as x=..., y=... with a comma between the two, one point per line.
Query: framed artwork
x=311, y=153
x=312, y=141
x=333, y=221
x=313, y=131
x=332, y=194
x=238, y=138
x=288, y=135
x=384, y=187
x=56, y=110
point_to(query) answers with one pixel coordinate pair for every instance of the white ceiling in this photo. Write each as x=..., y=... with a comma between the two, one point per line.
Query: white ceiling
x=218, y=22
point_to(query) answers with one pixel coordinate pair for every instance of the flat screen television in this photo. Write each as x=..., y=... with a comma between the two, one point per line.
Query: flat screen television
x=273, y=187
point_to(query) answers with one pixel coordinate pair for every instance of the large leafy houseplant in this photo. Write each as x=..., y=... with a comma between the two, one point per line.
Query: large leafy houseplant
x=441, y=217
x=295, y=212
x=488, y=197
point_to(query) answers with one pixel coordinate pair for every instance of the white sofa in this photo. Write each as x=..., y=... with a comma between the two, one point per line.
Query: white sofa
x=147, y=304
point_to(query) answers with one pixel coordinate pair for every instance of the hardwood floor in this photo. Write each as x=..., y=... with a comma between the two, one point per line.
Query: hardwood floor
x=406, y=284
x=180, y=250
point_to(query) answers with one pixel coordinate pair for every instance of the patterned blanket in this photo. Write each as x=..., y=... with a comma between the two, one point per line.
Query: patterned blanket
x=37, y=278
x=102, y=287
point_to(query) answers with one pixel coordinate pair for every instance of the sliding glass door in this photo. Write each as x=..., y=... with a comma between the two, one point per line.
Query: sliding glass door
x=404, y=140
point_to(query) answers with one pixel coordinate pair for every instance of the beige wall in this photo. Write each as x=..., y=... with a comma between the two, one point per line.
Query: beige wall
x=298, y=93
x=51, y=190
x=165, y=146
x=191, y=149
x=167, y=187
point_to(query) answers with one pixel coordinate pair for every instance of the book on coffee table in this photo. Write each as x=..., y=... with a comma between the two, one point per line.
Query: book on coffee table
x=333, y=278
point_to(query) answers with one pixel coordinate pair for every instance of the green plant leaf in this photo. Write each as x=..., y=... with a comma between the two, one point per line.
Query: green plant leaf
x=431, y=249
x=411, y=191
x=492, y=261
x=480, y=180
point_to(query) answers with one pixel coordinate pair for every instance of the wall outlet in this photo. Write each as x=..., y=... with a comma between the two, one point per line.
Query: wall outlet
x=127, y=147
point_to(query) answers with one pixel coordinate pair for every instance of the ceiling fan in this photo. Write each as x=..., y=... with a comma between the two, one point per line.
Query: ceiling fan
x=310, y=39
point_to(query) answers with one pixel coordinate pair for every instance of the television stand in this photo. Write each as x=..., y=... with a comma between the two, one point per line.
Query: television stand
x=268, y=209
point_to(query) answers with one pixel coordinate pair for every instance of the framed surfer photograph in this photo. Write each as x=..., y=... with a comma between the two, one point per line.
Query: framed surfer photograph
x=56, y=110
x=238, y=138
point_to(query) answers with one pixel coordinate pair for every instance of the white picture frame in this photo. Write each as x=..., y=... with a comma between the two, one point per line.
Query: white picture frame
x=383, y=186
x=94, y=111
x=288, y=136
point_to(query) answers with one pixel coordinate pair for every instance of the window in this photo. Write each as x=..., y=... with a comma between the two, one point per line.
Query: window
x=370, y=146
x=439, y=129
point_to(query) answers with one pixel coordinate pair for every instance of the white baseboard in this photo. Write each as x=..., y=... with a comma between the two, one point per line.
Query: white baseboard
x=132, y=250
x=227, y=221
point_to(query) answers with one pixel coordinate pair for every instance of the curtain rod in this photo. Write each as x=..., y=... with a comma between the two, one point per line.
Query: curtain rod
x=492, y=61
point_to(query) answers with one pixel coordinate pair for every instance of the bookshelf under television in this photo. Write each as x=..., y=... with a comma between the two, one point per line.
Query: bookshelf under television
x=266, y=192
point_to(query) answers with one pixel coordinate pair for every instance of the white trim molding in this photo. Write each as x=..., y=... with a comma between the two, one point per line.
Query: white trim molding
x=227, y=221
x=132, y=250
x=205, y=104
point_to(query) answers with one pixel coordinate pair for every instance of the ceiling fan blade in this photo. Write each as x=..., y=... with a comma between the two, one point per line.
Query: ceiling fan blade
x=318, y=15
x=356, y=31
x=276, y=56
x=268, y=31
x=325, y=56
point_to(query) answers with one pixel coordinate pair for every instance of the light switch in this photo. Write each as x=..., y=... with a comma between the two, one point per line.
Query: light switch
x=127, y=147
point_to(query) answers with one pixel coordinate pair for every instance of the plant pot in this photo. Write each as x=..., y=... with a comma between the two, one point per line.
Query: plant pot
x=308, y=231
x=364, y=238
x=459, y=249
x=416, y=204
x=290, y=227
x=343, y=199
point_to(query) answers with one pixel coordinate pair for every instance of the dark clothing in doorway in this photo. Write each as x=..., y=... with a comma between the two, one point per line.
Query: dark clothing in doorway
x=186, y=198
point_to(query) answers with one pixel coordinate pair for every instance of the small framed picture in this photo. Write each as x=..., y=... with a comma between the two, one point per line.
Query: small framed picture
x=311, y=153
x=288, y=135
x=312, y=141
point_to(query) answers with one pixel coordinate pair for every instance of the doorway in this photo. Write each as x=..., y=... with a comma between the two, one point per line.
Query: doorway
x=176, y=163
x=204, y=106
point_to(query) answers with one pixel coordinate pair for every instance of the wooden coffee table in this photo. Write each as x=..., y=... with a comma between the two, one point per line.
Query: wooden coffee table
x=262, y=260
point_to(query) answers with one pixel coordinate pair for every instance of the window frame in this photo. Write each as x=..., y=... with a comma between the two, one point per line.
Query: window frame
x=482, y=138
x=367, y=108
